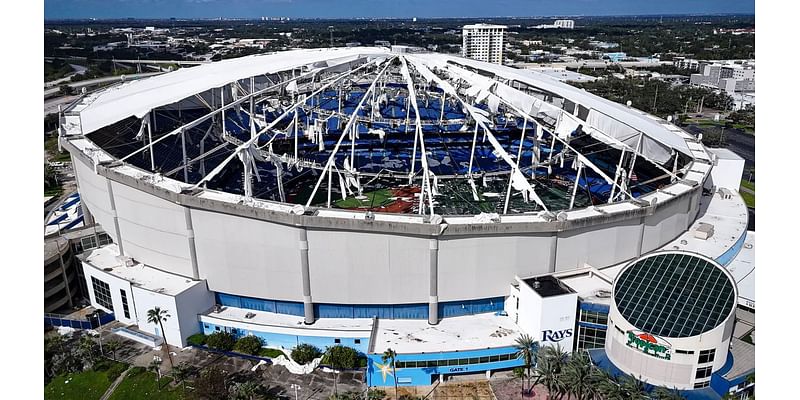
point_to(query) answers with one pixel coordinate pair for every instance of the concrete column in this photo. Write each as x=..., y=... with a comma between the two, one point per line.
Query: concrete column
x=641, y=237
x=187, y=214
x=118, y=240
x=553, y=251
x=433, y=299
x=308, y=303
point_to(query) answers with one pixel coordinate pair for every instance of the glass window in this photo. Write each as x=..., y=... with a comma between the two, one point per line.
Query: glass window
x=703, y=384
x=430, y=364
x=125, y=309
x=703, y=372
x=591, y=338
x=442, y=363
x=463, y=361
x=706, y=356
x=494, y=358
x=474, y=361
x=102, y=293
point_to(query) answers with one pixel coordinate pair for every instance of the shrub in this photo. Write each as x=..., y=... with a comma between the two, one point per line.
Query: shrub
x=271, y=353
x=221, y=341
x=342, y=357
x=305, y=353
x=249, y=345
x=198, y=339
x=115, y=370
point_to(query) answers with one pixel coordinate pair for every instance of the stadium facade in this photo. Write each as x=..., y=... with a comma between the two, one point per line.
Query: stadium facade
x=376, y=199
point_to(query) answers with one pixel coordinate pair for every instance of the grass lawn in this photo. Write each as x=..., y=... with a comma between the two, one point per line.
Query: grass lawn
x=749, y=185
x=51, y=145
x=271, y=353
x=141, y=384
x=749, y=199
x=86, y=385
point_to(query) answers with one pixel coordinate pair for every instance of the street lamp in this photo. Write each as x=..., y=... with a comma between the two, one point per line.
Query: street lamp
x=99, y=332
x=295, y=387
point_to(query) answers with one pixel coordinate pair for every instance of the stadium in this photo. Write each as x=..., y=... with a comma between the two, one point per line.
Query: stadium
x=373, y=197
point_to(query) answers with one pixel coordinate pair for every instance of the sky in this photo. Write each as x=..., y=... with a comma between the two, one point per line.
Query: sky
x=65, y=9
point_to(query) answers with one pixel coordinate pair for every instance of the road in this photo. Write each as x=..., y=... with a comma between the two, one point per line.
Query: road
x=51, y=105
x=99, y=81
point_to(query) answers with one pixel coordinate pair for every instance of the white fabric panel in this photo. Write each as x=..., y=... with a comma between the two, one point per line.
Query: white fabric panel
x=567, y=124
x=650, y=148
x=517, y=98
x=138, y=97
x=652, y=128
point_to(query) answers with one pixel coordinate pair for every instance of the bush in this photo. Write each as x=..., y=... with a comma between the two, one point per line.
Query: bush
x=342, y=357
x=221, y=341
x=271, y=353
x=249, y=345
x=305, y=353
x=198, y=339
x=115, y=370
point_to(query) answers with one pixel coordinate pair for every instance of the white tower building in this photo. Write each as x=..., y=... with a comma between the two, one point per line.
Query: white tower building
x=484, y=42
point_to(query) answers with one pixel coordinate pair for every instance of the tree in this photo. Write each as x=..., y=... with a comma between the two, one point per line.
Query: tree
x=210, y=385
x=548, y=371
x=87, y=351
x=249, y=344
x=155, y=367
x=305, y=353
x=181, y=372
x=664, y=393
x=519, y=372
x=527, y=348
x=156, y=315
x=579, y=377
x=223, y=341
x=113, y=346
x=633, y=388
x=340, y=357
x=245, y=390
x=390, y=355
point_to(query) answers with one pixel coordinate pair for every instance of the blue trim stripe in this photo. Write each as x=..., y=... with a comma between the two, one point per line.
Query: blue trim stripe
x=591, y=325
x=384, y=311
x=601, y=308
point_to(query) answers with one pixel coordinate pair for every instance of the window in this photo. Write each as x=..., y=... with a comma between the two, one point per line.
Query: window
x=357, y=341
x=591, y=338
x=703, y=372
x=679, y=351
x=125, y=309
x=102, y=293
x=700, y=385
x=593, y=317
x=706, y=356
x=337, y=341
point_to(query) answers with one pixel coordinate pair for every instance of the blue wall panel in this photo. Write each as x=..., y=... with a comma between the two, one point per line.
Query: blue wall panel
x=288, y=341
x=384, y=311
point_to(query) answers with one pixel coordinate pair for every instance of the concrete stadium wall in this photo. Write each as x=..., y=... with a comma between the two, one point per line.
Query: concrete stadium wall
x=253, y=252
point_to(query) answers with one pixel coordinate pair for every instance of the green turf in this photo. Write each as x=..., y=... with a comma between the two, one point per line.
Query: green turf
x=749, y=199
x=86, y=385
x=749, y=185
x=141, y=384
x=373, y=199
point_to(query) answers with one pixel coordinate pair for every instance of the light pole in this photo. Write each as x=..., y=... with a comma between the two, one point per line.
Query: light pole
x=99, y=333
x=295, y=387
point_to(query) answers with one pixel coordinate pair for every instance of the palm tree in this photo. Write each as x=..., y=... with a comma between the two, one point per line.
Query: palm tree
x=181, y=372
x=633, y=388
x=113, y=347
x=579, y=375
x=664, y=393
x=608, y=387
x=156, y=315
x=391, y=355
x=527, y=348
x=548, y=370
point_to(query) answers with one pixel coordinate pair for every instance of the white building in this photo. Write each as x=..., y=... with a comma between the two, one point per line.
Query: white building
x=729, y=76
x=565, y=23
x=484, y=42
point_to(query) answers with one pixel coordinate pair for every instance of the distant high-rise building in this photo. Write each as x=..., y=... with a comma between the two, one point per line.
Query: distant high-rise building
x=565, y=23
x=484, y=42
